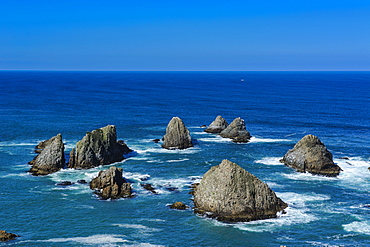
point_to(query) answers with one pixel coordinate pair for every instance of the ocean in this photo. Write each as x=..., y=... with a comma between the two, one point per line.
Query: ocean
x=279, y=108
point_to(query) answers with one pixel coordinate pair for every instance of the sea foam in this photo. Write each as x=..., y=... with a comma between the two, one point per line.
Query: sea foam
x=297, y=212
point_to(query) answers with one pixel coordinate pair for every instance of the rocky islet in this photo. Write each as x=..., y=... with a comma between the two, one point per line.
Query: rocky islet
x=110, y=184
x=236, y=131
x=177, y=135
x=229, y=193
x=311, y=155
x=50, y=158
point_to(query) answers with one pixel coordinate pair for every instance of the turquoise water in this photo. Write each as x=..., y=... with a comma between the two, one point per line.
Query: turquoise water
x=279, y=108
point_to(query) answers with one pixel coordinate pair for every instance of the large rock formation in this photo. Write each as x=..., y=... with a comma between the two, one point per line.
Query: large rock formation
x=177, y=135
x=218, y=125
x=236, y=131
x=99, y=147
x=110, y=184
x=51, y=158
x=311, y=155
x=6, y=236
x=229, y=193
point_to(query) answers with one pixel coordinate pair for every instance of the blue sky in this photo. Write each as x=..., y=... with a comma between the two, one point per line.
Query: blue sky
x=185, y=35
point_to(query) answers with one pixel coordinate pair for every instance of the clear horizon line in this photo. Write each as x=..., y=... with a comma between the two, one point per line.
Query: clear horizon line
x=77, y=70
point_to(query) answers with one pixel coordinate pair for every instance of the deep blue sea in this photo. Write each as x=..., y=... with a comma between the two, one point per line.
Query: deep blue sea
x=279, y=108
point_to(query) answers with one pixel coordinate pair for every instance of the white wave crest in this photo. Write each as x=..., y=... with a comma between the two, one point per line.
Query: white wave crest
x=257, y=140
x=102, y=239
x=138, y=227
x=269, y=161
x=180, y=160
x=358, y=226
x=215, y=138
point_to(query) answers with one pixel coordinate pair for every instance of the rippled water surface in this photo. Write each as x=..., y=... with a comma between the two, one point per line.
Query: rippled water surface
x=279, y=108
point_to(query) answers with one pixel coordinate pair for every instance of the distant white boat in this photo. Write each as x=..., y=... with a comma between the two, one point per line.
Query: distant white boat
x=242, y=80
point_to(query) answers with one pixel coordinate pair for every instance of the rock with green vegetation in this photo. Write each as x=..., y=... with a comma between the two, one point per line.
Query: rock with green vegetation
x=311, y=155
x=6, y=236
x=51, y=157
x=99, y=147
x=177, y=135
x=229, y=193
x=236, y=131
x=218, y=125
x=111, y=185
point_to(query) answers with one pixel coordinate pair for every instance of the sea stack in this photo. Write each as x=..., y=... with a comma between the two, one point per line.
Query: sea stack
x=177, y=135
x=99, y=147
x=236, y=131
x=229, y=193
x=218, y=125
x=51, y=157
x=310, y=155
x=110, y=184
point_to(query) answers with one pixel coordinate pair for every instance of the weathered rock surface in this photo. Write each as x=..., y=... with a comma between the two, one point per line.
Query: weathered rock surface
x=177, y=135
x=229, y=193
x=6, y=236
x=111, y=185
x=178, y=205
x=310, y=155
x=236, y=131
x=51, y=158
x=99, y=147
x=218, y=125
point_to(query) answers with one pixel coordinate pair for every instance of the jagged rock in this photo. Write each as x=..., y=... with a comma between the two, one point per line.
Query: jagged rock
x=6, y=236
x=178, y=205
x=111, y=185
x=229, y=193
x=149, y=187
x=99, y=147
x=218, y=125
x=156, y=140
x=51, y=158
x=310, y=155
x=177, y=135
x=81, y=181
x=42, y=145
x=236, y=131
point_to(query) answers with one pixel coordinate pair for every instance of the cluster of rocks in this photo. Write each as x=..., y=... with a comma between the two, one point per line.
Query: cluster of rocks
x=235, y=131
x=226, y=192
x=99, y=147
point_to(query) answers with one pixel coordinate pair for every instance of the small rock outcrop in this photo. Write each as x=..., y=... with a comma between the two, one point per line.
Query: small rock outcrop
x=51, y=157
x=229, y=193
x=110, y=184
x=99, y=147
x=310, y=155
x=236, y=131
x=218, y=125
x=6, y=236
x=177, y=135
x=178, y=205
